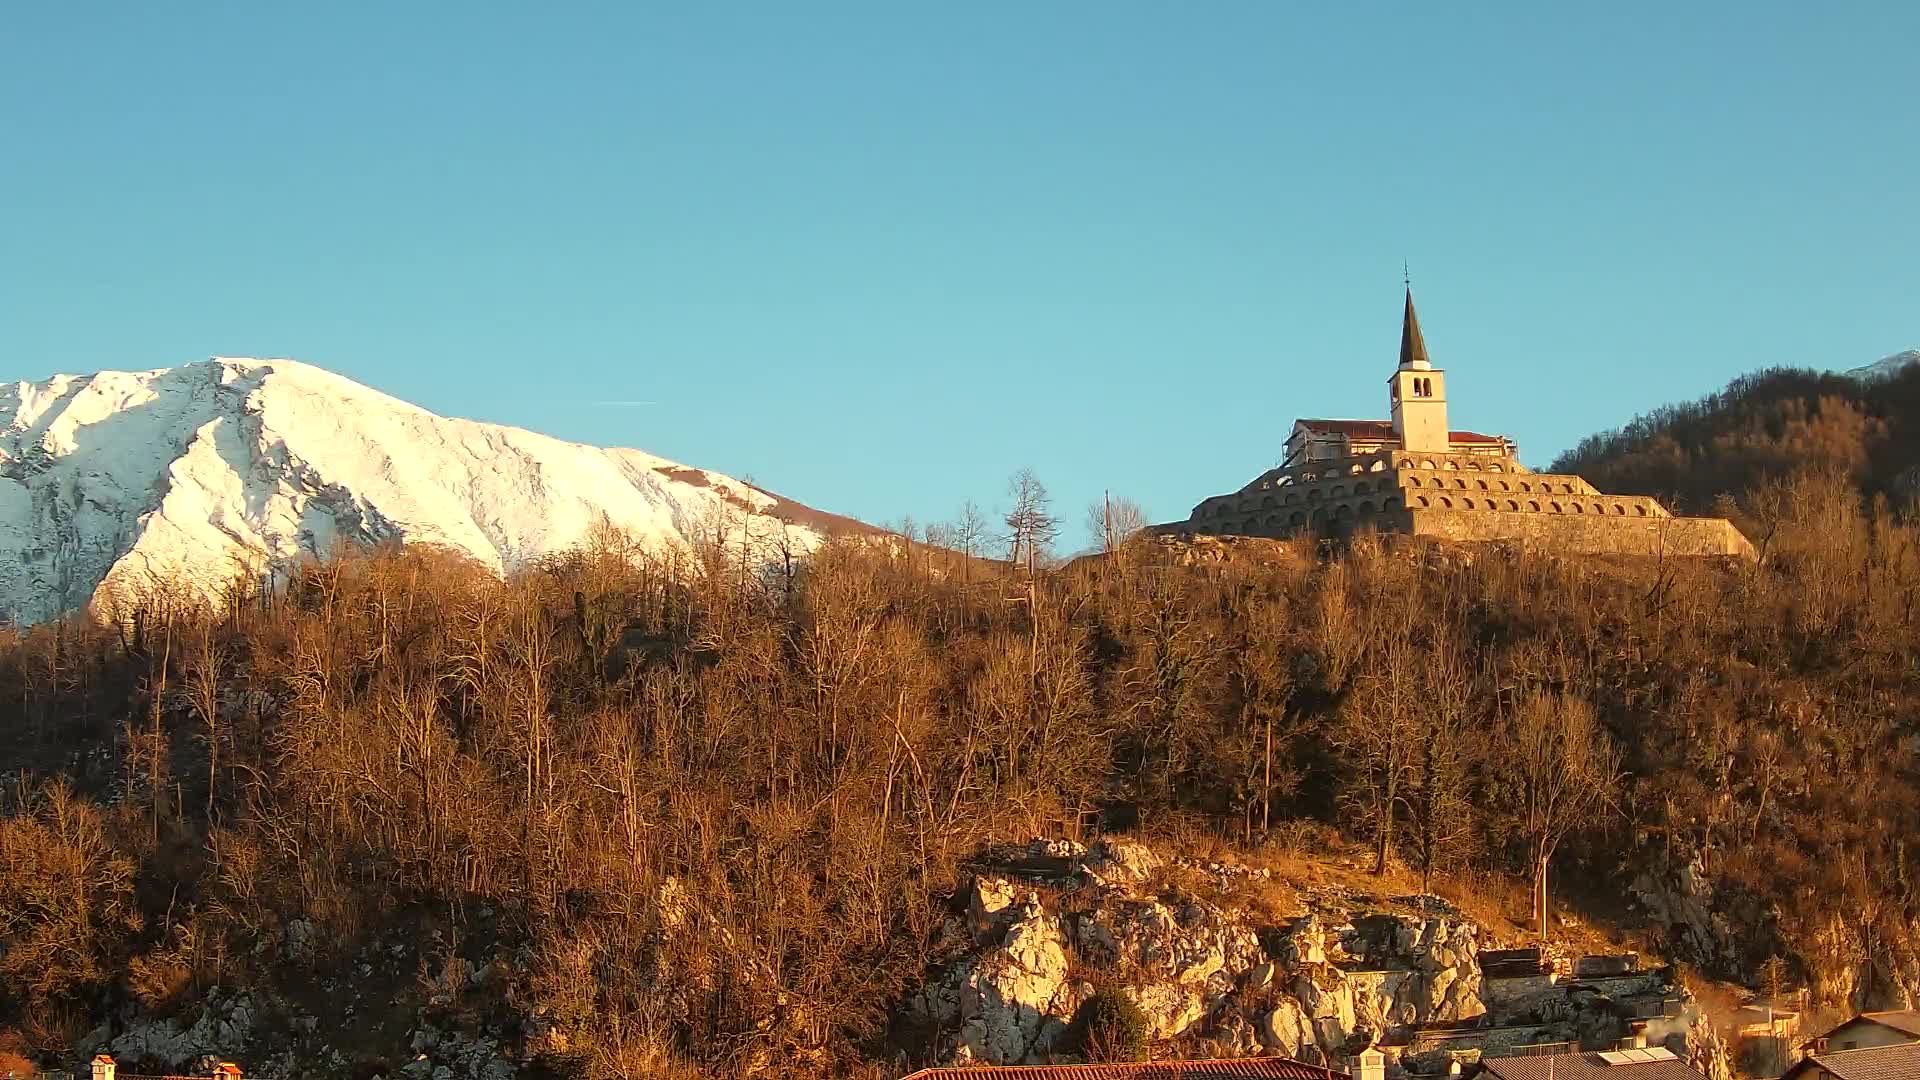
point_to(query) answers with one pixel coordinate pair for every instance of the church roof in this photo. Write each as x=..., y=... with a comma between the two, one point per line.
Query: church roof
x=1413, y=347
x=1383, y=430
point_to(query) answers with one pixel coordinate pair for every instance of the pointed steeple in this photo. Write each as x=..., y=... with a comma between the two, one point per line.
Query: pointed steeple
x=1413, y=348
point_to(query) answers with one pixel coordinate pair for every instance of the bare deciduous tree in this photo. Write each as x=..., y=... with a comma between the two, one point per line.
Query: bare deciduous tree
x=1564, y=769
x=1031, y=526
x=1113, y=521
x=969, y=534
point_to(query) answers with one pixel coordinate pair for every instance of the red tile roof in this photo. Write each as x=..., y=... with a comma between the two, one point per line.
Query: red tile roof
x=1383, y=429
x=1264, y=1068
x=1897, y=1062
x=1585, y=1066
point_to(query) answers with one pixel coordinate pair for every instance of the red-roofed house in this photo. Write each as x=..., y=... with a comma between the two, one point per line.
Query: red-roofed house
x=1900, y=1061
x=1872, y=1029
x=1652, y=1063
x=1261, y=1068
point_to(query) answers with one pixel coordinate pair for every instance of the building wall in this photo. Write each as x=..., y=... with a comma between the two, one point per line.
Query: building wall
x=1589, y=535
x=1462, y=497
x=1420, y=419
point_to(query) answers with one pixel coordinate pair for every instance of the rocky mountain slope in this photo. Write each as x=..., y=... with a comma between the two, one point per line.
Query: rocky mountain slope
x=1887, y=366
x=1221, y=958
x=192, y=473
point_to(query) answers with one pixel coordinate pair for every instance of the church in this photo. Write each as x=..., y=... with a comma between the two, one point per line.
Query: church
x=1413, y=473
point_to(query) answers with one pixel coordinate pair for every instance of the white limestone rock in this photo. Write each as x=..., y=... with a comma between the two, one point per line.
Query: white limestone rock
x=1170, y=1008
x=1121, y=862
x=991, y=907
x=1014, y=1002
x=1286, y=1030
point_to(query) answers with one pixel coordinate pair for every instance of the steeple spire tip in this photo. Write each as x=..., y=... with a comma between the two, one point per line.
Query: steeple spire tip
x=1413, y=347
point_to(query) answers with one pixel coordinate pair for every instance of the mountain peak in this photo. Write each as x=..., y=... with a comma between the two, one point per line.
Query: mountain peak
x=111, y=480
x=1887, y=366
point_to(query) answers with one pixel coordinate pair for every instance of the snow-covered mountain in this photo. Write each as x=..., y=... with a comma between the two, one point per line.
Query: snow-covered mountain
x=1879, y=369
x=190, y=473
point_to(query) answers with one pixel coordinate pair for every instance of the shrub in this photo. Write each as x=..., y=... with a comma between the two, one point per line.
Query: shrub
x=1112, y=1028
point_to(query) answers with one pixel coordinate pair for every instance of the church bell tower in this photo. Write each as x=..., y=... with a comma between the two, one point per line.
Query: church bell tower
x=1419, y=392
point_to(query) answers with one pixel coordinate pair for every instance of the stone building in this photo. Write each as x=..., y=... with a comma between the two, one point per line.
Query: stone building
x=1412, y=473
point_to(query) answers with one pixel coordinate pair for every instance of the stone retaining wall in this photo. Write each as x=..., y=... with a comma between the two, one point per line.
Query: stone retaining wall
x=1570, y=534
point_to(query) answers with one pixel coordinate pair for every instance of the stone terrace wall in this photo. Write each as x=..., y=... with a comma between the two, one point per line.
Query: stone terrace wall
x=1456, y=497
x=1586, y=535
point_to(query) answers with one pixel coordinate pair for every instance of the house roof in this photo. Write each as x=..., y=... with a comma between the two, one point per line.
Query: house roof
x=1898, y=1062
x=1905, y=1021
x=1382, y=429
x=1659, y=1065
x=1261, y=1068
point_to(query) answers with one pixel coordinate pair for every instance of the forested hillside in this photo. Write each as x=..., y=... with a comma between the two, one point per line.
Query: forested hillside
x=1762, y=428
x=789, y=769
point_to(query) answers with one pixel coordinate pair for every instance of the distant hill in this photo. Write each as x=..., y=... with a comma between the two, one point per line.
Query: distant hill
x=1864, y=423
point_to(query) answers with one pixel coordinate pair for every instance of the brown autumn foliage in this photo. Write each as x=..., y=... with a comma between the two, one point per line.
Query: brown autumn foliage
x=1758, y=431
x=717, y=810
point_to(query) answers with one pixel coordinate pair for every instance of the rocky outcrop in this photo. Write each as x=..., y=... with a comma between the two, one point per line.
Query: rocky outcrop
x=1691, y=914
x=1846, y=959
x=225, y=1023
x=1039, y=942
x=1040, y=931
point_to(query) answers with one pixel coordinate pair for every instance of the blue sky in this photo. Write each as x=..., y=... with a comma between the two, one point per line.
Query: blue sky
x=876, y=256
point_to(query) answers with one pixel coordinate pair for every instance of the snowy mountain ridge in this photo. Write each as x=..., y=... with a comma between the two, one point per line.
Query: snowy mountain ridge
x=1887, y=366
x=112, y=480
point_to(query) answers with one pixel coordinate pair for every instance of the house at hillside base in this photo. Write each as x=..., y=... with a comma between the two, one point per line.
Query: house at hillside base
x=1871, y=1046
x=1258, y=1068
x=1642, y=1063
x=1898, y=1061
x=1413, y=473
x=1870, y=1029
